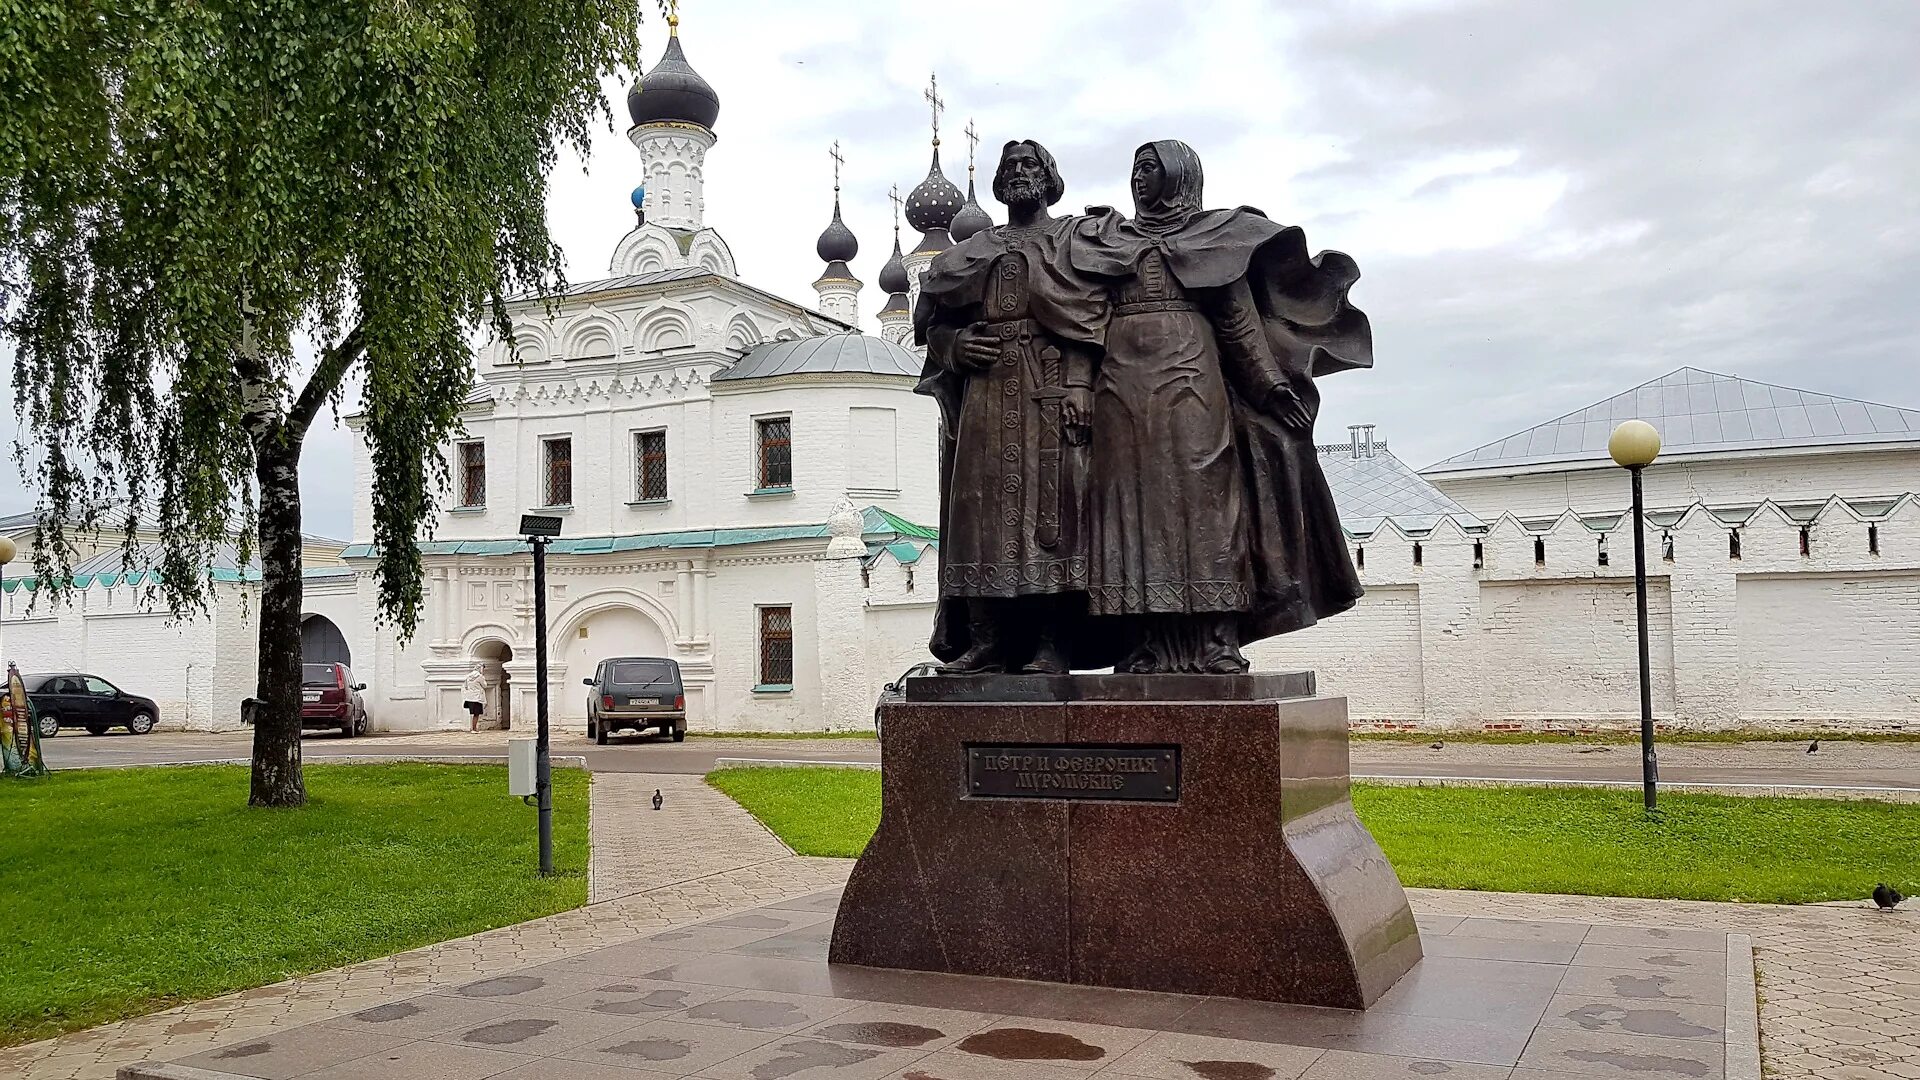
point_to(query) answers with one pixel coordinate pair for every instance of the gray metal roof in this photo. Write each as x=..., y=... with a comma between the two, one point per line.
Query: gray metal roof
x=1371, y=490
x=1697, y=412
x=629, y=281
x=825, y=353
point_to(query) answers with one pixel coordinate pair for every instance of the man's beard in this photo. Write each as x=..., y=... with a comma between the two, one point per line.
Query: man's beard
x=1025, y=193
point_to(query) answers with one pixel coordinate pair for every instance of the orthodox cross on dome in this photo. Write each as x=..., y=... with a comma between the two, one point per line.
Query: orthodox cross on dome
x=838, y=160
x=973, y=147
x=938, y=103
x=670, y=11
x=894, y=194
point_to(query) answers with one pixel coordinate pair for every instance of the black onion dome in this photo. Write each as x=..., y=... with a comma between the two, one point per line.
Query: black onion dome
x=837, y=243
x=673, y=93
x=971, y=218
x=893, y=276
x=933, y=242
x=932, y=204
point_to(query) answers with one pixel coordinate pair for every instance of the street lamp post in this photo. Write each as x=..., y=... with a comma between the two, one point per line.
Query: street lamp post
x=1633, y=446
x=539, y=529
x=7, y=553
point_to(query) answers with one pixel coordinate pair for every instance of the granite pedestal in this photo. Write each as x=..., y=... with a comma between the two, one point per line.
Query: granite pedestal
x=1095, y=830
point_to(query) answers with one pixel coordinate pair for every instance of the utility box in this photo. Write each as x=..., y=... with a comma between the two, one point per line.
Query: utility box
x=520, y=771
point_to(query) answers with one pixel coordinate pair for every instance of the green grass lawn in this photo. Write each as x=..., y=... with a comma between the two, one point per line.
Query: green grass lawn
x=130, y=890
x=1624, y=737
x=1550, y=840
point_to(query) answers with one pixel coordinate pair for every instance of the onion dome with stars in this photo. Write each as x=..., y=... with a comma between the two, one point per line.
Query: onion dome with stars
x=673, y=93
x=933, y=202
x=971, y=218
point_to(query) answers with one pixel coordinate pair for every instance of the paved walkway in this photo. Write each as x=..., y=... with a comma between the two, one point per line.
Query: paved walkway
x=697, y=832
x=1840, y=985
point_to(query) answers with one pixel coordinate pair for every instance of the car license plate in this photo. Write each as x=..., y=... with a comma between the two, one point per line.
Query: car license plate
x=310, y=695
x=643, y=701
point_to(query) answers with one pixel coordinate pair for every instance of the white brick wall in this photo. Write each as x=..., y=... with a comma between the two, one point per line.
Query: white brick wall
x=1370, y=654
x=1830, y=648
x=1568, y=650
x=195, y=669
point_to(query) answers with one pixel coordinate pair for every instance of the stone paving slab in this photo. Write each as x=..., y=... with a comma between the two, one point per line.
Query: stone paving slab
x=787, y=1013
x=1839, y=984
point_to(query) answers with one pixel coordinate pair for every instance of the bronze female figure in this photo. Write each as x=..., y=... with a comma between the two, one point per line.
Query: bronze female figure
x=1209, y=522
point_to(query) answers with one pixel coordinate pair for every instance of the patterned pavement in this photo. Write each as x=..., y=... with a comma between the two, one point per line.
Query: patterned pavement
x=1839, y=984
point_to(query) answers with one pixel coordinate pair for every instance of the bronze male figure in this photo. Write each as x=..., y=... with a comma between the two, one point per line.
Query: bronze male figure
x=1013, y=337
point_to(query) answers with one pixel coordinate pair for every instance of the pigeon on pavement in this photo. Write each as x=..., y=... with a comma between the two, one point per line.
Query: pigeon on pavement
x=1440, y=745
x=1886, y=897
x=1813, y=747
x=657, y=800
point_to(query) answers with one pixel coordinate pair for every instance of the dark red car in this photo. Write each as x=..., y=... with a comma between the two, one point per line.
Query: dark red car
x=329, y=698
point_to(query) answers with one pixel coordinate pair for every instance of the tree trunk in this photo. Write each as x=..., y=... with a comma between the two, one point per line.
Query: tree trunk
x=276, y=725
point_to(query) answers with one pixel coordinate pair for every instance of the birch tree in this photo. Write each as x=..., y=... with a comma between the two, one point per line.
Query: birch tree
x=189, y=189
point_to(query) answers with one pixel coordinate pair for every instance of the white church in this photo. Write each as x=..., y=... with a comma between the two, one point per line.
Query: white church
x=748, y=486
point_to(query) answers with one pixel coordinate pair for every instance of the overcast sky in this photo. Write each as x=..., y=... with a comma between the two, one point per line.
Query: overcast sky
x=1549, y=201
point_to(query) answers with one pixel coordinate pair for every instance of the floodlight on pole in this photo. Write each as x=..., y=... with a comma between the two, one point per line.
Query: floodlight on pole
x=539, y=529
x=1633, y=446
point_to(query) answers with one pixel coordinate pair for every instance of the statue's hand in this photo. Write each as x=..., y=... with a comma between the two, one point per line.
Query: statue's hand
x=1076, y=414
x=1285, y=406
x=975, y=349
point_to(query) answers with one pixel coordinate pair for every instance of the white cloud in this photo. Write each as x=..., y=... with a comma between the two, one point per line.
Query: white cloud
x=1549, y=201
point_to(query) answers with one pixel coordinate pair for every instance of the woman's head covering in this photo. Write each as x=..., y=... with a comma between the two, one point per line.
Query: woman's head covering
x=1180, y=186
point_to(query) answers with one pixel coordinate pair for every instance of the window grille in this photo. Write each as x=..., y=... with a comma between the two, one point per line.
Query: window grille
x=473, y=474
x=776, y=452
x=559, y=472
x=776, y=646
x=650, y=454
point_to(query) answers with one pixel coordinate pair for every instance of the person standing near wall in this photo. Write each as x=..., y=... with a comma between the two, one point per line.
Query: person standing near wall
x=474, y=693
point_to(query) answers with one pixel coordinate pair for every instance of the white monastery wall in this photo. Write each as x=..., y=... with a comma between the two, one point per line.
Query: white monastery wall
x=1370, y=654
x=1567, y=650
x=1544, y=635
x=1748, y=478
x=195, y=669
x=858, y=438
x=742, y=586
x=1539, y=634
x=1830, y=648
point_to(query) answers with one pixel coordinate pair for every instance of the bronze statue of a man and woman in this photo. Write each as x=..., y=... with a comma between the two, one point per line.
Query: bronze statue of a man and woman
x=1128, y=473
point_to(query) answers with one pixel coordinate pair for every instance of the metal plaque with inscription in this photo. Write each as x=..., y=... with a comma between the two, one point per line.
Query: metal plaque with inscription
x=1141, y=773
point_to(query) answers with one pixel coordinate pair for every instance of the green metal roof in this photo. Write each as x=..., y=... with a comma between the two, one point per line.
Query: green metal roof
x=877, y=523
x=904, y=553
x=881, y=521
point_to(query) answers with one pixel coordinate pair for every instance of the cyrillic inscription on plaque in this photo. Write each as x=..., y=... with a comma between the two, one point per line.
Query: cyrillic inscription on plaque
x=1149, y=773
